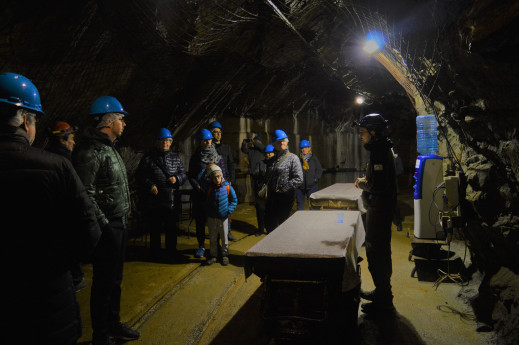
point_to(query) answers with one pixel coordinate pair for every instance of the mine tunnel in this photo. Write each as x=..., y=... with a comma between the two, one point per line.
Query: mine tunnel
x=312, y=69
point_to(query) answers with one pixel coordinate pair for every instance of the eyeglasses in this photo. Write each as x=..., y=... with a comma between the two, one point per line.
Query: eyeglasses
x=216, y=132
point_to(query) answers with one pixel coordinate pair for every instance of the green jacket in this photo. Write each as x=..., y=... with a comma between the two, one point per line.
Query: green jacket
x=103, y=173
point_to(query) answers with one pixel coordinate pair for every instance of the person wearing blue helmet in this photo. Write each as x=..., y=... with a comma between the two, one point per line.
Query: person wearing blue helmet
x=102, y=170
x=159, y=175
x=258, y=175
x=55, y=225
x=312, y=173
x=379, y=189
x=204, y=155
x=224, y=150
x=284, y=175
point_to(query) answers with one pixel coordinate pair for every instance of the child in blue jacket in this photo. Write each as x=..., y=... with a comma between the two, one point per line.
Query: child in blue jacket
x=220, y=202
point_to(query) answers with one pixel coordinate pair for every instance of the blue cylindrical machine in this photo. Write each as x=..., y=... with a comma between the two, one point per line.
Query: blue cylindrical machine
x=428, y=176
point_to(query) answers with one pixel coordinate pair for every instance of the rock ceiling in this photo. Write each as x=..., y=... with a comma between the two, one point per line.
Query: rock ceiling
x=177, y=63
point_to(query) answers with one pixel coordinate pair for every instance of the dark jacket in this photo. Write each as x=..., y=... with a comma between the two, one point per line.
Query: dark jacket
x=255, y=154
x=103, y=173
x=155, y=169
x=379, y=187
x=218, y=203
x=60, y=149
x=49, y=223
x=225, y=151
x=259, y=171
x=313, y=174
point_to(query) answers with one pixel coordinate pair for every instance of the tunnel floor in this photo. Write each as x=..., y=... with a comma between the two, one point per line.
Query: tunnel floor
x=182, y=301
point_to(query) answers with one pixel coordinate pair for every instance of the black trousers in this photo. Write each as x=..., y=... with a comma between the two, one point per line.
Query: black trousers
x=260, y=207
x=260, y=215
x=162, y=220
x=278, y=209
x=200, y=218
x=77, y=273
x=108, y=263
x=378, y=250
x=301, y=195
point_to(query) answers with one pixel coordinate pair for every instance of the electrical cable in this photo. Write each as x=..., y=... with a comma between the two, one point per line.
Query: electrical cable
x=464, y=316
x=433, y=201
x=440, y=186
x=435, y=223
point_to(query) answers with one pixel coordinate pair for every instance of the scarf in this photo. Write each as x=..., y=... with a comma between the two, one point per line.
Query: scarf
x=305, y=160
x=209, y=155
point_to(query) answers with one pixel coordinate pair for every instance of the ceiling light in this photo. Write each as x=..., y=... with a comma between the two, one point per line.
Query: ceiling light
x=374, y=42
x=359, y=100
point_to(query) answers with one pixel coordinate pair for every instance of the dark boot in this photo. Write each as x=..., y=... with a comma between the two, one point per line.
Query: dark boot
x=230, y=236
x=380, y=308
x=120, y=331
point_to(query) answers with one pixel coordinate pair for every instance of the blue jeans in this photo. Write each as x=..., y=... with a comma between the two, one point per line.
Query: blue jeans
x=301, y=197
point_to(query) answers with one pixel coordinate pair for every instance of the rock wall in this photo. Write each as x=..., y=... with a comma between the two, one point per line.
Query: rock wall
x=478, y=132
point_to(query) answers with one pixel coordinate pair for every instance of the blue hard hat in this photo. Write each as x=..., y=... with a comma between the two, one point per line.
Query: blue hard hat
x=304, y=143
x=257, y=137
x=278, y=135
x=164, y=133
x=215, y=124
x=106, y=104
x=204, y=134
x=269, y=148
x=17, y=90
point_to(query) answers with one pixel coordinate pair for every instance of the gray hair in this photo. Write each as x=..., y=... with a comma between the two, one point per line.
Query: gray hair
x=107, y=119
x=16, y=120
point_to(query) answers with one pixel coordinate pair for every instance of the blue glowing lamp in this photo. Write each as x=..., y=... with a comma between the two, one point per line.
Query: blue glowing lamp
x=374, y=42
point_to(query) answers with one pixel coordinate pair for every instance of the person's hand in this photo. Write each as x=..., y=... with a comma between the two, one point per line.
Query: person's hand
x=172, y=179
x=359, y=179
x=154, y=190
